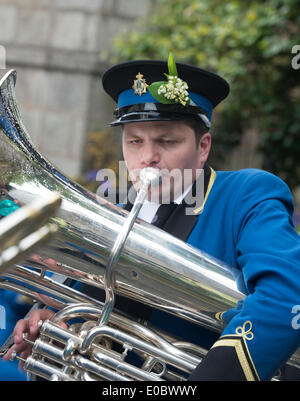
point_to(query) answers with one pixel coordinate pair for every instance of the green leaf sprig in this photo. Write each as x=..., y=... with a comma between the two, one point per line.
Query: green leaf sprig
x=175, y=90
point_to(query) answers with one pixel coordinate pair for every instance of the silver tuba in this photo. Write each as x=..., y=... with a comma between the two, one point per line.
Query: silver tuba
x=149, y=266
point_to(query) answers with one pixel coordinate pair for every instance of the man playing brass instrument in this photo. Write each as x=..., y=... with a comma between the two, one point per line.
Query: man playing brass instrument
x=244, y=217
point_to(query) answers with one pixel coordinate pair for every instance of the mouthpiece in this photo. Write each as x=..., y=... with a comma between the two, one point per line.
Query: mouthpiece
x=150, y=175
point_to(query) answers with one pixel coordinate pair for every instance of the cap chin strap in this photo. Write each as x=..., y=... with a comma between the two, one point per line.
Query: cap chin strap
x=143, y=117
x=158, y=112
x=205, y=120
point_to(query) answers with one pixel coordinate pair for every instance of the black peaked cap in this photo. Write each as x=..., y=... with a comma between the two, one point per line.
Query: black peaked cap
x=121, y=76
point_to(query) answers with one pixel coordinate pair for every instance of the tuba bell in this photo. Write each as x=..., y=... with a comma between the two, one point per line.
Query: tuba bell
x=144, y=264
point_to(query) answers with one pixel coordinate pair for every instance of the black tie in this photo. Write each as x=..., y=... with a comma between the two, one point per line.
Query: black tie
x=163, y=213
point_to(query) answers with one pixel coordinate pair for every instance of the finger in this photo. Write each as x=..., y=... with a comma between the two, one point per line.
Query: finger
x=36, y=316
x=17, y=348
x=50, y=263
x=45, y=261
x=62, y=324
x=35, y=257
x=21, y=327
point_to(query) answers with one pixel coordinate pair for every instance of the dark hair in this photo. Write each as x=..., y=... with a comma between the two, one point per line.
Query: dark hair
x=198, y=127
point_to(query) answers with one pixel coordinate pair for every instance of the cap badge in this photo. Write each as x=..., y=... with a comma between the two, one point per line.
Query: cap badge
x=139, y=85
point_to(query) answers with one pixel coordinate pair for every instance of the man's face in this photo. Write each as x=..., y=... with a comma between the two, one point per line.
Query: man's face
x=169, y=146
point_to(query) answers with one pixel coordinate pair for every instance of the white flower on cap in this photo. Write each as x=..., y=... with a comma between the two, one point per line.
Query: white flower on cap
x=175, y=89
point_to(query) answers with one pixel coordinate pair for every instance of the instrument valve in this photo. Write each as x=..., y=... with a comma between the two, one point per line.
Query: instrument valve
x=127, y=347
x=70, y=348
x=24, y=336
x=15, y=356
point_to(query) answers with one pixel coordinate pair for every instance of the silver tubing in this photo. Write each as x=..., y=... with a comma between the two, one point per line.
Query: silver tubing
x=142, y=346
x=144, y=333
x=149, y=175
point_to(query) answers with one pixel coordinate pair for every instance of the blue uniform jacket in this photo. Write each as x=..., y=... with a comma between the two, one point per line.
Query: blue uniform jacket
x=247, y=222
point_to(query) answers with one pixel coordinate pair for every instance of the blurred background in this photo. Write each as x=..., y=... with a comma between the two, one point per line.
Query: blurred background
x=60, y=49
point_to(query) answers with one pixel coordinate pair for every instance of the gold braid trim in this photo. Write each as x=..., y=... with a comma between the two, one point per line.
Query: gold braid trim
x=219, y=316
x=210, y=184
x=242, y=352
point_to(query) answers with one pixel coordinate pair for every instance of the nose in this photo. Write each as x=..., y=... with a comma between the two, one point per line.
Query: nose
x=150, y=155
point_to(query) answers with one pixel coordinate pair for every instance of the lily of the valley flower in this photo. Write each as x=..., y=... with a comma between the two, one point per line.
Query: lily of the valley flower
x=175, y=89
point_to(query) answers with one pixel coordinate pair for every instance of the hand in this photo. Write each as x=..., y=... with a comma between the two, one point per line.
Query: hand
x=30, y=327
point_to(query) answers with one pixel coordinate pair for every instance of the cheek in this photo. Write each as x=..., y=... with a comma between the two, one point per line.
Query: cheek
x=183, y=159
x=129, y=158
x=132, y=166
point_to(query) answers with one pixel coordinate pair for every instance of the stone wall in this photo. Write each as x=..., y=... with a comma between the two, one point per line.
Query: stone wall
x=55, y=46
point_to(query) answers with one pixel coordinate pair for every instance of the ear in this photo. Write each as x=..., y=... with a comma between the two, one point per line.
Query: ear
x=204, y=148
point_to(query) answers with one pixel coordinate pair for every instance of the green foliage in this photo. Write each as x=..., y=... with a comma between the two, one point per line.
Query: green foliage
x=250, y=44
x=172, y=65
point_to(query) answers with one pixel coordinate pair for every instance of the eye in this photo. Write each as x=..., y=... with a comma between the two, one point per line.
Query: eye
x=168, y=141
x=134, y=141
